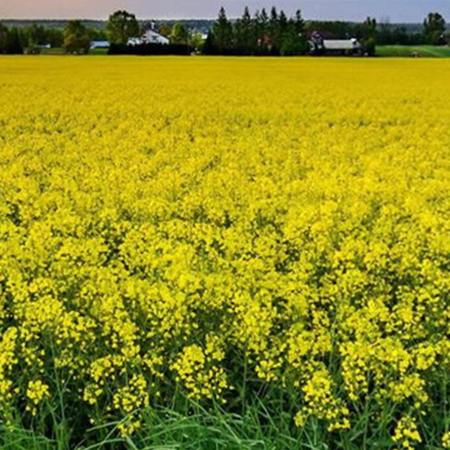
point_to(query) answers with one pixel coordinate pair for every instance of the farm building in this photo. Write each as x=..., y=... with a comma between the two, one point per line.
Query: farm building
x=321, y=45
x=149, y=37
x=341, y=45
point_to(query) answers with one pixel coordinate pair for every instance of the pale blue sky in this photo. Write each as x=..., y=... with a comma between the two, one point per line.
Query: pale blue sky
x=394, y=10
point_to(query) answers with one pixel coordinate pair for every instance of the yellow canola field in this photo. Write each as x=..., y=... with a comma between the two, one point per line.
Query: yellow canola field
x=196, y=225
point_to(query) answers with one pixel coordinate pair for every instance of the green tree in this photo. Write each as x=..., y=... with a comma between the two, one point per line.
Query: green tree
x=294, y=41
x=209, y=46
x=244, y=33
x=434, y=28
x=222, y=32
x=299, y=22
x=261, y=26
x=274, y=26
x=364, y=30
x=36, y=35
x=3, y=35
x=76, y=37
x=367, y=33
x=165, y=30
x=55, y=37
x=369, y=46
x=180, y=34
x=282, y=24
x=370, y=27
x=294, y=44
x=196, y=41
x=98, y=34
x=121, y=27
x=13, y=42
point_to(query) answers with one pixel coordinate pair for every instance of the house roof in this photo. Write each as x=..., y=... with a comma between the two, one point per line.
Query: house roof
x=153, y=33
x=323, y=34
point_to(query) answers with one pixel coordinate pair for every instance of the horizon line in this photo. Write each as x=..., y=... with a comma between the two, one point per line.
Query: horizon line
x=86, y=19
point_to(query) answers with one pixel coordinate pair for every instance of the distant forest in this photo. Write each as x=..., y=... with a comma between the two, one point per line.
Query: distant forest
x=203, y=25
x=263, y=32
x=198, y=25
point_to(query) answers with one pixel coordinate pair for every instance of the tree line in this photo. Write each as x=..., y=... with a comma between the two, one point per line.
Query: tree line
x=433, y=31
x=15, y=40
x=31, y=39
x=263, y=33
x=275, y=34
x=76, y=37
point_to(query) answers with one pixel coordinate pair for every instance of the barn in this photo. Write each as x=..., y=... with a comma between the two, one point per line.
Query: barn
x=341, y=45
x=321, y=45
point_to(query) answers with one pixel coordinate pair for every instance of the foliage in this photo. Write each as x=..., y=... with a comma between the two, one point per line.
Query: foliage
x=98, y=34
x=121, y=27
x=12, y=39
x=221, y=34
x=369, y=46
x=164, y=30
x=36, y=35
x=76, y=37
x=197, y=41
x=179, y=34
x=258, y=35
x=280, y=235
x=435, y=28
x=294, y=45
x=433, y=31
x=3, y=35
x=398, y=35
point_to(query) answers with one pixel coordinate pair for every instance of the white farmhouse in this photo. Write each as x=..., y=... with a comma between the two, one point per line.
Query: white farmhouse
x=149, y=37
x=340, y=45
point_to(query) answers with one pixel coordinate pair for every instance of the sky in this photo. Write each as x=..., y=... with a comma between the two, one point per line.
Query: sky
x=386, y=10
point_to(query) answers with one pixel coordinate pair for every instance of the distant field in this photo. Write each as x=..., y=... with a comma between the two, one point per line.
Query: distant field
x=60, y=51
x=429, y=51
